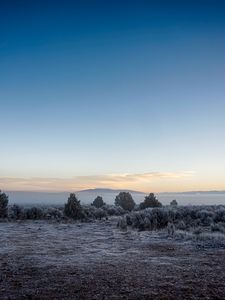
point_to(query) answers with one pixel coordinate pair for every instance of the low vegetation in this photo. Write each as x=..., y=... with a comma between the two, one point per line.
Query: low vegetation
x=199, y=223
x=3, y=205
x=203, y=224
x=72, y=210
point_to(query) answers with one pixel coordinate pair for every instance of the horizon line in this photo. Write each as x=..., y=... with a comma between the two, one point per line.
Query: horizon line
x=129, y=190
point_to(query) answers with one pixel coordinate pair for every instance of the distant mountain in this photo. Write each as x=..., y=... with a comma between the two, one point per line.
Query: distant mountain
x=101, y=190
x=213, y=192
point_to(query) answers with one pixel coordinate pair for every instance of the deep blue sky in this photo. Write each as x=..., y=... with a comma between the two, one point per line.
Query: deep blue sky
x=113, y=87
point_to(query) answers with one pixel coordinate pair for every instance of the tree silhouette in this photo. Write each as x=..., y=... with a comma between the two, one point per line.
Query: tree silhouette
x=72, y=208
x=125, y=200
x=150, y=201
x=174, y=202
x=3, y=205
x=98, y=202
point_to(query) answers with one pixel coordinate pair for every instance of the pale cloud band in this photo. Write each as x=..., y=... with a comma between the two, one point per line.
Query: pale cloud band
x=142, y=182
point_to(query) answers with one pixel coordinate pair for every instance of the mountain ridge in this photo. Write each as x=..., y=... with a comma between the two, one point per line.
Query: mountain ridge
x=107, y=190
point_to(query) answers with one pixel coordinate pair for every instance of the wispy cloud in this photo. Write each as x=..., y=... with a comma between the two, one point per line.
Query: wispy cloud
x=127, y=180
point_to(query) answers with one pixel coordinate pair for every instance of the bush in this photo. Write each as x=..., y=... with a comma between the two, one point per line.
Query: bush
x=174, y=203
x=98, y=202
x=3, y=205
x=219, y=227
x=180, y=218
x=113, y=210
x=122, y=224
x=16, y=212
x=125, y=200
x=72, y=208
x=53, y=213
x=34, y=213
x=150, y=201
x=219, y=215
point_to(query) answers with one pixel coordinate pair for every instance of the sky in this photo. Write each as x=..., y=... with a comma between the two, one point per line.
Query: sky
x=113, y=94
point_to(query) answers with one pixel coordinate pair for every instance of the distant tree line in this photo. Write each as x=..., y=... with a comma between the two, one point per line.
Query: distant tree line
x=73, y=209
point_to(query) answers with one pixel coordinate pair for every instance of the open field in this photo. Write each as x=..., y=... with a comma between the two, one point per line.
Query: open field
x=50, y=260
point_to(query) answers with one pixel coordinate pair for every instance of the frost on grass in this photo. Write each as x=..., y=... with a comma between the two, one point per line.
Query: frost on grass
x=201, y=224
x=197, y=223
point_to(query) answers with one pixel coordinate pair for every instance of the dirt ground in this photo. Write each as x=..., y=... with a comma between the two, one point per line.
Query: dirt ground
x=42, y=260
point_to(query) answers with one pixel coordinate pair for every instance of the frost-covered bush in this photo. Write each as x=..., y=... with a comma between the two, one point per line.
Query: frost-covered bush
x=113, y=210
x=34, y=213
x=160, y=217
x=181, y=225
x=3, y=205
x=219, y=227
x=205, y=216
x=90, y=213
x=16, y=212
x=122, y=224
x=183, y=218
x=150, y=219
x=219, y=215
x=73, y=208
x=171, y=229
x=99, y=213
x=53, y=213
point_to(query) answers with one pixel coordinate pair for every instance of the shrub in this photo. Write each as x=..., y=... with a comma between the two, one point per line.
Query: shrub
x=122, y=224
x=205, y=216
x=171, y=229
x=219, y=227
x=181, y=225
x=72, y=208
x=113, y=210
x=99, y=213
x=125, y=200
x=53, y=213
x=16, y=212
x=98, y=202
x=3, y=205
x=160, y=217
x=219, y=215
x=150, y=201
x=173, y=203
x=34, y=213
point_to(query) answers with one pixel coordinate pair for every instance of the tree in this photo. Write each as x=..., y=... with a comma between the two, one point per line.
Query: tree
x=150, y=201
x=72, y=208
x=98, y=202
x=125, y=200
x=17, y=212
x=173, y=203
x=3, y=205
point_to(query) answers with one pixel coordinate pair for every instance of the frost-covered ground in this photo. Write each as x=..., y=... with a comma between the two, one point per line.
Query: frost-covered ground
x=43, y=260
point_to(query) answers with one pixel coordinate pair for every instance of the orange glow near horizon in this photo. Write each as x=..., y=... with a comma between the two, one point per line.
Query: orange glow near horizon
x=145, y=182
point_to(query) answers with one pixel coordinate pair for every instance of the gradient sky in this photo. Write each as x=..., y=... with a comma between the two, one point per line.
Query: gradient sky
x=122, y=94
